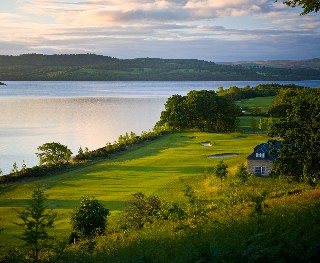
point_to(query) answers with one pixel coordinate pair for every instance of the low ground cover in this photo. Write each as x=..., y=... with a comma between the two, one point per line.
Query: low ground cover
x=153, y=169
x=259, y=219
x=285, y=231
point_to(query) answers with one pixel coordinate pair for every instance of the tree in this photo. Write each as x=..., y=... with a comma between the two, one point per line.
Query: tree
x=175, y=113
x=53, y=153
x=143, y=210
x=196, y=210
x=308, y=6
x=233, y=93
x=89, y=218
x=36, y=221
x=226, y=115
x=242, y=173
x=300, y=132
x=202, y=110
x=23, y=167
x=15, y=169
x=262, y=124
x=220, y=90
x=221, y=171
x=281, y=102
x=80, y=153
x=269, y=124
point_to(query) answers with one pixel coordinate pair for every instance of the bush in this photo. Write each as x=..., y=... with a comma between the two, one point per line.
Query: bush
x=143, y=210
x=89, y=218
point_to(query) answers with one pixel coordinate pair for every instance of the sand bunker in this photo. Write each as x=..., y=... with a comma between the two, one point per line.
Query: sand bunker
x=222, y=155
x=207, y=143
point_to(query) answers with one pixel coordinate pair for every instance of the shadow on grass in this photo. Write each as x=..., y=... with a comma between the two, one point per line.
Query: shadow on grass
x=61, y=204
x=146, y=172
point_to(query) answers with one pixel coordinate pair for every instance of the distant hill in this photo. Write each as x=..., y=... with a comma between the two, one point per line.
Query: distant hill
x=97, y=67
x=289, y=64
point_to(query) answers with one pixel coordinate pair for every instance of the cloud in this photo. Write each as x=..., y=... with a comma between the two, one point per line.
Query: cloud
x=214, y=43
x=104, y=12
x=205, y=29
x=212, y=49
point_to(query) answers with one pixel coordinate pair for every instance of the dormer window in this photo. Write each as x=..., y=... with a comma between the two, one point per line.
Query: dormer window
x=260, y=155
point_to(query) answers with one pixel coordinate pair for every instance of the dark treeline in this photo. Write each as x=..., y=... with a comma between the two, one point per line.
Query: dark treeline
x=262, y=90
x=299, y=130
x=97, y=67
x=203, y=110
x=210, y=111
x=282, y=104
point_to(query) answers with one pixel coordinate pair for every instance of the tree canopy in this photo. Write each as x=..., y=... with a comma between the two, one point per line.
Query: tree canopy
x=202, y=110
x=308, y=6
x=282, y=103
x=300, y=134
x=262, y=90
x=90, y=217
x=53, y=153
x=142, y=210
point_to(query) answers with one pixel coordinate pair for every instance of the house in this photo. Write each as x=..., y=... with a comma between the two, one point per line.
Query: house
x=260, y=162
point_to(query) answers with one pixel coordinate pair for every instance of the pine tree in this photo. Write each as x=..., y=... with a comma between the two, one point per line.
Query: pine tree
x=36, y=220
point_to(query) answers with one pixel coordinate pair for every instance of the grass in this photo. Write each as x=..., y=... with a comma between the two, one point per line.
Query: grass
x=261, y=103
x=246, y=123
x=249, y=105
x=157, y=169
x=153, y=169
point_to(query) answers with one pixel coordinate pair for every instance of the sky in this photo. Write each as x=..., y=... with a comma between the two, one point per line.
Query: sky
x=212, y=30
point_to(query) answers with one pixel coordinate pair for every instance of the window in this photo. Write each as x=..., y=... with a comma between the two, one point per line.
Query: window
x=260, y=155
x=260, y=170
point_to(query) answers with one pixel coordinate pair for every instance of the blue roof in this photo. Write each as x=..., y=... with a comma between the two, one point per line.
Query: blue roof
x=266, y=148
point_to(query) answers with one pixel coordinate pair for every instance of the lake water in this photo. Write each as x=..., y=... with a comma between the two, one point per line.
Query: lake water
x=87, y=114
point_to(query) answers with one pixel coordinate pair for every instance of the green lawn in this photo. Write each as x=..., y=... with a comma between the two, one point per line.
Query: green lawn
x=245, y=123
x=262, y=103
x=155, y=168
x=248, y=105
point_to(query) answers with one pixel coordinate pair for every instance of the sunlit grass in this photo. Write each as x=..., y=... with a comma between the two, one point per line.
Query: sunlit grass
x=261, y=103
x=153, y=169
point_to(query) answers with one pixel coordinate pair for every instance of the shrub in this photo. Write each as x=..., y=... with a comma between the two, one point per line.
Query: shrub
x=89, y=218
x=143, y=210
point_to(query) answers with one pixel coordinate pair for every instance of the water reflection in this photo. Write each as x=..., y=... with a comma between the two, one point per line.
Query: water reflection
x=84, y=121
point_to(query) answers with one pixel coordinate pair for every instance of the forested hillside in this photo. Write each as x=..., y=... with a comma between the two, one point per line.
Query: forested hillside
x=97, y=67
